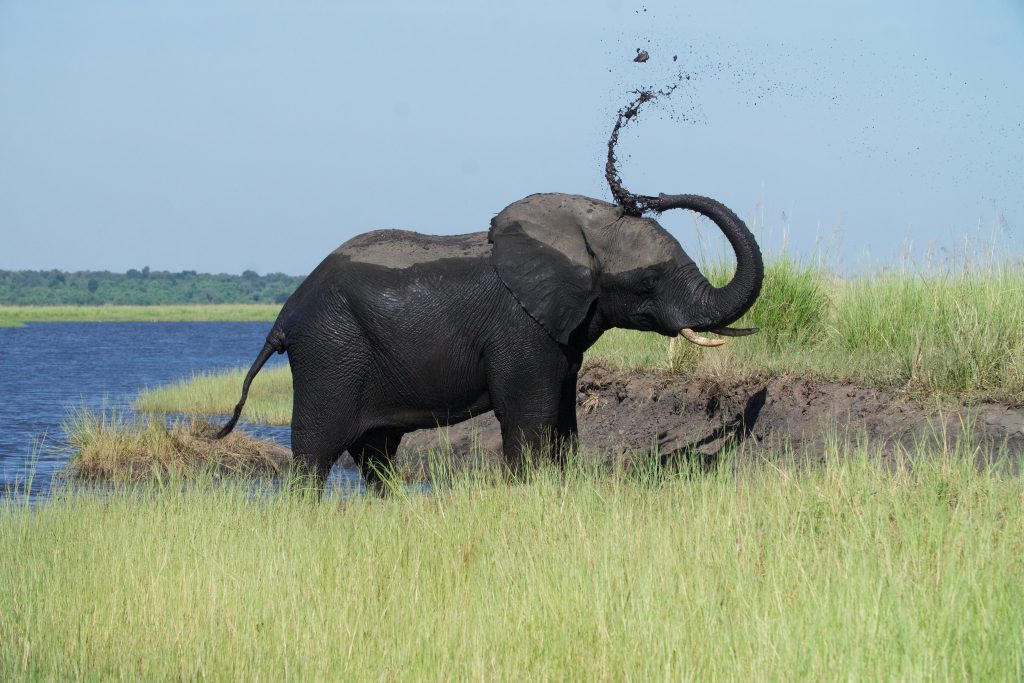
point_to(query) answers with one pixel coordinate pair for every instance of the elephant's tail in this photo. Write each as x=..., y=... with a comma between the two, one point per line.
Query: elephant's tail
x=274, y=344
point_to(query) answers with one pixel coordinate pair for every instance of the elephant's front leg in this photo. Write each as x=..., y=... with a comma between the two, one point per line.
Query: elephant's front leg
x=528, y=411
x=525, y=443
x=526, y=379
x=539, y=436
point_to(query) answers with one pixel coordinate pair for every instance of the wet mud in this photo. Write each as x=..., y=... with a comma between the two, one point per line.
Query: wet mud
x=623, y=416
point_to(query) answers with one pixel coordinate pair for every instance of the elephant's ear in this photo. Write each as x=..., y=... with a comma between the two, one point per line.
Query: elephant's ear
x=548, y=268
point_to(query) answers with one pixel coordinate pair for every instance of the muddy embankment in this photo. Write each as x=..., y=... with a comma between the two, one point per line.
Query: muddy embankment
x=622, y=415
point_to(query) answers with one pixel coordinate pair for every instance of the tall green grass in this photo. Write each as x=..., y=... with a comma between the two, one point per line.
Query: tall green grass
x=211, y=393
x=851, y=570
x=14, y=316
x=955, y=334
x=961, y=333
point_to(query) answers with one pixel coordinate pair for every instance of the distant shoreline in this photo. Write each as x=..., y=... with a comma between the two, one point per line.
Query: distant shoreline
x=16, y=316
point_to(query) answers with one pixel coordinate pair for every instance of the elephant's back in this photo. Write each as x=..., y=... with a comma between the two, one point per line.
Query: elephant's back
x=403, y=249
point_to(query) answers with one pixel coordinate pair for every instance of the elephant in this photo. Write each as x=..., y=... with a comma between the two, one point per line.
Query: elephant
x=397, y=331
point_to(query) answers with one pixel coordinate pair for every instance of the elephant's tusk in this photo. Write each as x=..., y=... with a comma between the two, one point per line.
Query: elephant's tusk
x=735, y=331
x=691, y=336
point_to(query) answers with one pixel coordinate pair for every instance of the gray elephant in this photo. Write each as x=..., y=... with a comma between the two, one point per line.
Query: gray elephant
x=396, y=331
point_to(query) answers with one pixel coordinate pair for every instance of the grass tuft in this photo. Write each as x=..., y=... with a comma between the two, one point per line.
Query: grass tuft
x=109, y=447
x=794, y=305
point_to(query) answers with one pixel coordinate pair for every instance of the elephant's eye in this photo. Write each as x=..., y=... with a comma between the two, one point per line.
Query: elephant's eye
x=648, y=280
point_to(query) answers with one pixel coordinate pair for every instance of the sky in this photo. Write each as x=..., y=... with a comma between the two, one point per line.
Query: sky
x=255, y=135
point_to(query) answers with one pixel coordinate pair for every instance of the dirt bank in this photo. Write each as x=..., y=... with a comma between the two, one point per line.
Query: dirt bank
x=621, y=414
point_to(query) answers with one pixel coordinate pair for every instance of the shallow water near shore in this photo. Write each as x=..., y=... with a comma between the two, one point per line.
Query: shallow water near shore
x=47, y=369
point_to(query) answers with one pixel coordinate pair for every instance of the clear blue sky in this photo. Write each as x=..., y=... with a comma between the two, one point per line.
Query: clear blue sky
x=223, y=136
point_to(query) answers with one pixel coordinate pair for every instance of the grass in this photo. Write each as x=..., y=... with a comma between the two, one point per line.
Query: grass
x=15, y=316
x=955, y=334
x=209, y=393
x=951, y=334
x=849, y=570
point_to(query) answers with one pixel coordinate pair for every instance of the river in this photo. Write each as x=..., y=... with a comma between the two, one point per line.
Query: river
x=49, y=369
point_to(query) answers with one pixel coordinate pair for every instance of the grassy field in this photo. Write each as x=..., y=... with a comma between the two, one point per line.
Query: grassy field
x=851, y=570
x=858, y=568
x=957, y=334
x=14, y=316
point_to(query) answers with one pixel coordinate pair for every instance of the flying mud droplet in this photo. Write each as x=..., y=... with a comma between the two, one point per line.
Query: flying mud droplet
x=641, y=56
x=632, y=204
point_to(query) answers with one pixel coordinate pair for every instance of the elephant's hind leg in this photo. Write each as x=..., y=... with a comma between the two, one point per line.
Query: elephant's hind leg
x=567, y=441
x=374, y=453
x=321, y=433
x=326, y=418
x=314, y=451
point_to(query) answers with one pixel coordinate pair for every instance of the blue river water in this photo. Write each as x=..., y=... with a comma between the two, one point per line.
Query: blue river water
x=50, y=369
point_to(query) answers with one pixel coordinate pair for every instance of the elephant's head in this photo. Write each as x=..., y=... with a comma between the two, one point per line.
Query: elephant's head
x=568, y=258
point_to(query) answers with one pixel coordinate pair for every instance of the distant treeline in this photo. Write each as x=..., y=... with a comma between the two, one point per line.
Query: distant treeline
x=142, y=287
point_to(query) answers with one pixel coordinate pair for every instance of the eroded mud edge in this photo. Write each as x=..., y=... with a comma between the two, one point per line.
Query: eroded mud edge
x=623, y=414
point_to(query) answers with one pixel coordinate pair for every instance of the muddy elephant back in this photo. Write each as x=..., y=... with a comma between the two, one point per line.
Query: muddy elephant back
x=402, y=248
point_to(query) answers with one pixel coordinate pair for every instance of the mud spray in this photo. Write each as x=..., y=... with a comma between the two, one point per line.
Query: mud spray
x=632, y=204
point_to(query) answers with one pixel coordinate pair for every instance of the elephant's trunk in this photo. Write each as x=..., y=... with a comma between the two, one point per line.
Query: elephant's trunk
x=725, y=304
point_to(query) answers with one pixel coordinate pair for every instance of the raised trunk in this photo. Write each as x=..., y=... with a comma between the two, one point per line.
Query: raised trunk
x=728, y=303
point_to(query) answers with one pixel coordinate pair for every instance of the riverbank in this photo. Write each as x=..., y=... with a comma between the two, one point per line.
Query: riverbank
x=15, y=316
x=624, y=418
x=764, y=572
